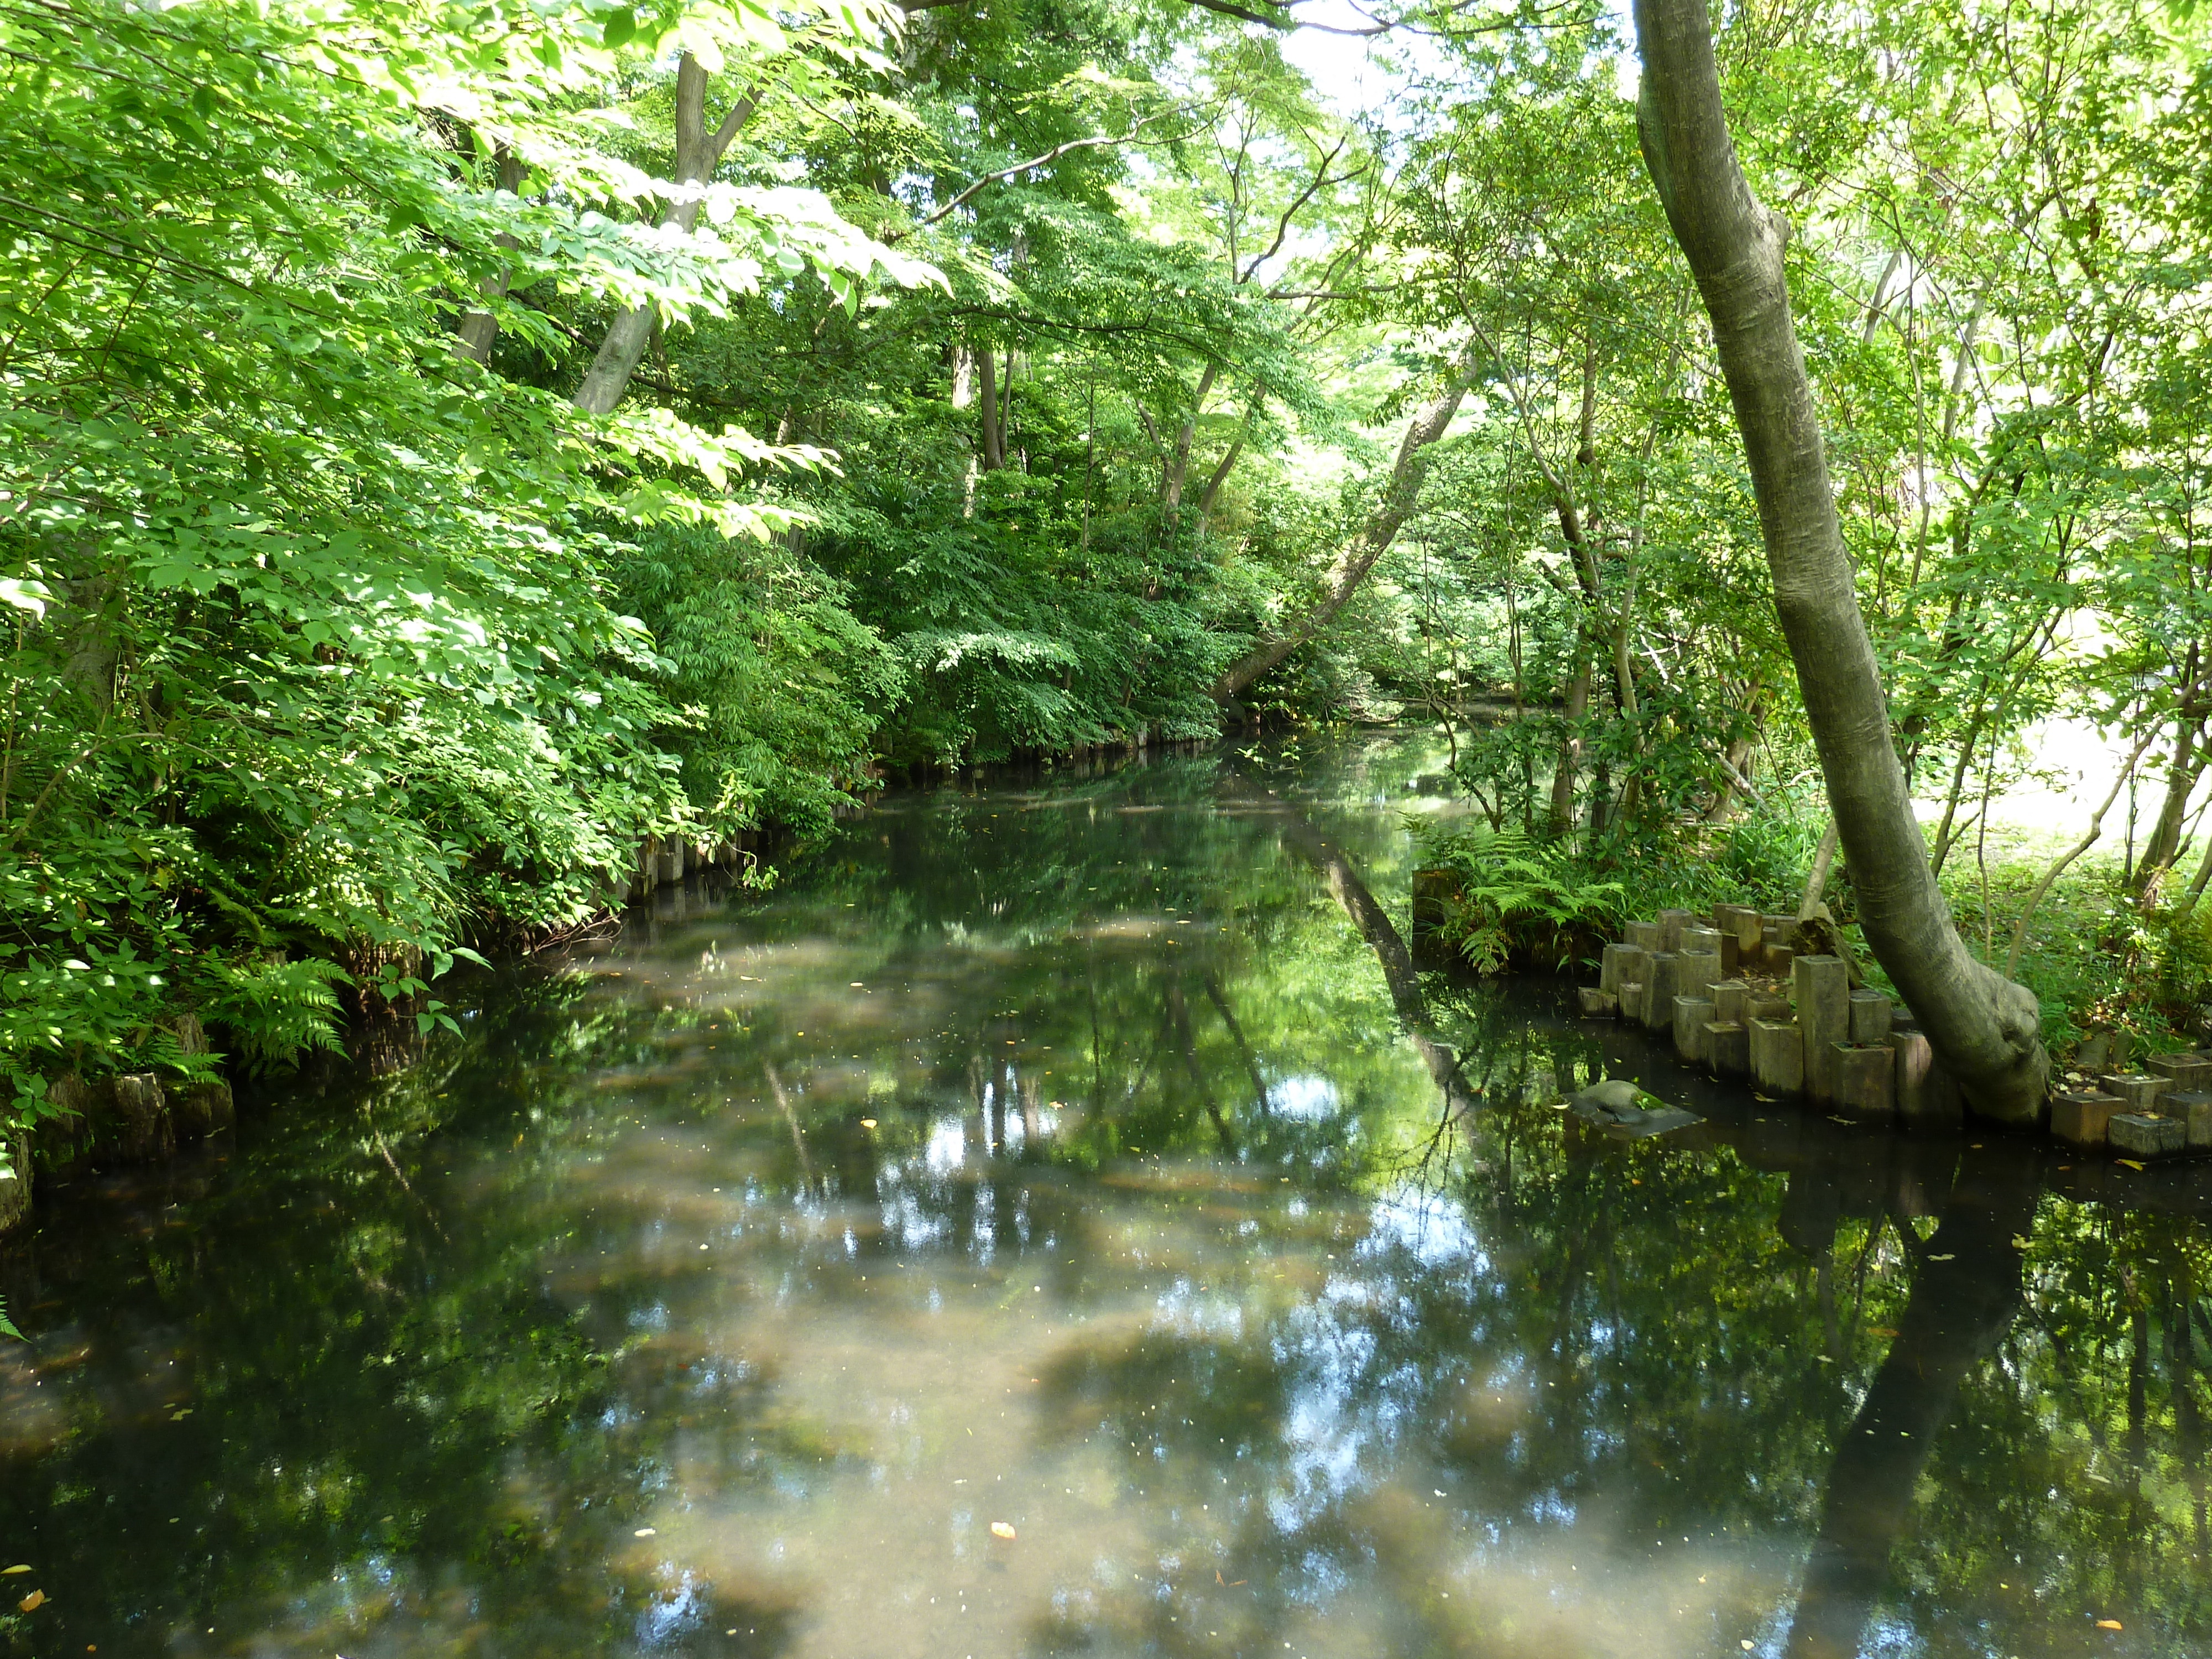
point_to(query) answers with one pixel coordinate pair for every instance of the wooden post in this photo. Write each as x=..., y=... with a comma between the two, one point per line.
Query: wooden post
x=1660, y=991
x=206, y=1107
x=1745, y=922
x=1870, y=1013
x=1823, y=986
x=1728, y=1048
x=1433, y=892
x=1866, y=1079
x=2139, y=1090
x=1777, y=1056
x=2142, y=1135
x=16, y=1183
x=2083, y=1117
x=2185, y=1073
x=1775, y=933
x=138, y=1127
x=1696, y=973
x=1621, y=964
x=1732, y=1001
x=1690, y=1015
x=2195, y=1111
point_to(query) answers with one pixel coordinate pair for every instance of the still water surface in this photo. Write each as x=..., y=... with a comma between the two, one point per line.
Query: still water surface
x=1059, y=1220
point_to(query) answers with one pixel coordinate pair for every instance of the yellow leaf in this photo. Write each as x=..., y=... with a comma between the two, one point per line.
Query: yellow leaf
x=2128, y=1164
x=1002, y=1529
x=2018, y=1243
x=9, y=1573
x=868, y=1123
x=2108, y=1623
x=32, y=1602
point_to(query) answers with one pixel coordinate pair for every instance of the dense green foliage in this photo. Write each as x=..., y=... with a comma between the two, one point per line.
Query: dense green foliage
x=988, y=381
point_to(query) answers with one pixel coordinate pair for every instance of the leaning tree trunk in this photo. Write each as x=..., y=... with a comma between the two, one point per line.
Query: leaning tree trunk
x=698, y=153
x=1983, y=1025
x=2164, y=846
x=1396, y=505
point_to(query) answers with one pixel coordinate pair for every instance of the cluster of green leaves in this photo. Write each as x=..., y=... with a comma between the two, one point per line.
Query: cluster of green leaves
x=1517, y=897
x=318, y=660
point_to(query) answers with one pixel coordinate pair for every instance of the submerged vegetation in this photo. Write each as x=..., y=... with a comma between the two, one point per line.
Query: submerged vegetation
x=443, y=446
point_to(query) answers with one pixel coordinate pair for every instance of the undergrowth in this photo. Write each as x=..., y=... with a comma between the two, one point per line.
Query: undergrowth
x=2096, y=957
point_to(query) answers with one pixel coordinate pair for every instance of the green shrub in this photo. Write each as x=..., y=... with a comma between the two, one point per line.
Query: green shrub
x=1523, y=898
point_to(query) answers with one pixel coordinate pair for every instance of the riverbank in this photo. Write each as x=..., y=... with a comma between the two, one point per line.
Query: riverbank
x=1781, y=1005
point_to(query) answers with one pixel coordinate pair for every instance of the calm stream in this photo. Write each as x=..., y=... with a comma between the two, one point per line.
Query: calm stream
x=1057, y=1220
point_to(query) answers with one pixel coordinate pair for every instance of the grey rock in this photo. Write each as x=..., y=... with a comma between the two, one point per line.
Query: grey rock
x=1617, y=1106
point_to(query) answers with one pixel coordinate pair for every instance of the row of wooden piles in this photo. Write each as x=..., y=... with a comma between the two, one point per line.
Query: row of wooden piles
x=665, y=861
x=1737, y=993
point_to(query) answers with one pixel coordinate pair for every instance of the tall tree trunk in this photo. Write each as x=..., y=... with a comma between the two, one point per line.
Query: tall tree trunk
x=1399, y=497
x=2181, y=772
x=1735, y=761
x=478, y=329
x=1219, y=476
x=1565, y=775
x=698, y=152
x=1984, y=1026
x=1175, y=471
x=963, y=397
x=994, y=434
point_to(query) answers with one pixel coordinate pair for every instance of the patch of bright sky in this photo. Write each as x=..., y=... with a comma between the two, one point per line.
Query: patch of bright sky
x=1362, y=75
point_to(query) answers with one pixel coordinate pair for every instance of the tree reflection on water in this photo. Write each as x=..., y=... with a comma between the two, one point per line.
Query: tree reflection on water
x=1091, y=1159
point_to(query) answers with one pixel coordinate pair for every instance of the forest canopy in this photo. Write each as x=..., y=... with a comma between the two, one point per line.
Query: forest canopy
x=445, y=446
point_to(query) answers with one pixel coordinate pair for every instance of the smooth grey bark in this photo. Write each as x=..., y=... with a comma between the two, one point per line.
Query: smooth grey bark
x=1983, y=1025
x=1399, y=497
x=698, y=152
x=478, y=329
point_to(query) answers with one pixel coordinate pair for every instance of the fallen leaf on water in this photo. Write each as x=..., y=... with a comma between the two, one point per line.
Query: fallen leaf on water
x=643, y=1532
x=1880, y=1330
x=2128, y=1164
x=2019, y=1242
x=1002, y=1529
x=32, y=1602
x=9, y=1573
x=1946, y=1257
x=2108, y=1623
x=868, y=1123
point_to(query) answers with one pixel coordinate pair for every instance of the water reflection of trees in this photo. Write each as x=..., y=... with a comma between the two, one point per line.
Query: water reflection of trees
x=1769, y=1327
